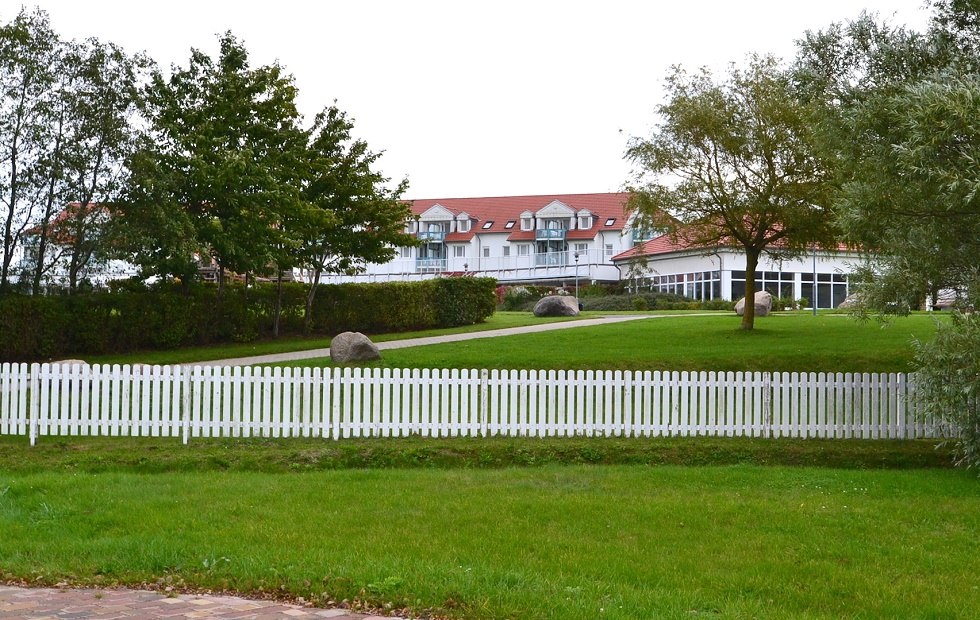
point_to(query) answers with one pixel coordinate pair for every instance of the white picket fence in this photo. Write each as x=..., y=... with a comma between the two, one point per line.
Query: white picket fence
x=172, y=401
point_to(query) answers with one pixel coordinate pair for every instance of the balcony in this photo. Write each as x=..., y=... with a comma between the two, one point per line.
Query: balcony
x=549, y=234
x=430, y=265
x=551, y=259
x=432, y=236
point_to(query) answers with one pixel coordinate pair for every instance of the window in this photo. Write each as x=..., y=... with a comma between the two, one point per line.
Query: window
x=581, y=248
x=486, y=252
x=410, y=226
x=523, y=249
x=585, y=222
x=610, y=221
x=526, y=223
x=487, y=224
x=609, y=249
x=506, y=250
x=459, y=251
x=406, y=252
x=463, y=226
x=509, y=224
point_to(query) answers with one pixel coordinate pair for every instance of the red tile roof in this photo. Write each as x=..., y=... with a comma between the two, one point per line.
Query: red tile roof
x=664, y=245
x=502, y=209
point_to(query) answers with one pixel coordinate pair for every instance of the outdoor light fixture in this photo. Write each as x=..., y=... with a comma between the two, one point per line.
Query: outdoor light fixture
x=576, y=277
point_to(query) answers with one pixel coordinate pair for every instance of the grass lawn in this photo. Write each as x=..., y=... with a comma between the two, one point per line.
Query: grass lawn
x=500, y=320
x=781, y=342
x=564, y=542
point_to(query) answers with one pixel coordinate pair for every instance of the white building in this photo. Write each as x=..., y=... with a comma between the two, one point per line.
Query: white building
x=514, y=239
x=719, y=273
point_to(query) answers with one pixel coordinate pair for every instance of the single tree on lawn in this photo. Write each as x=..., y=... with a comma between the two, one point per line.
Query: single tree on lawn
x=732, y=162
x=352, y=218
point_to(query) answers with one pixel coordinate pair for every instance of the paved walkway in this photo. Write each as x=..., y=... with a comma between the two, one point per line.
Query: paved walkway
x=55, y=603
x=419, y=342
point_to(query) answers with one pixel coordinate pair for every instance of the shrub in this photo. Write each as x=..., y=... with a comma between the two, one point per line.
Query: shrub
x=464, y=301
x=948, y=382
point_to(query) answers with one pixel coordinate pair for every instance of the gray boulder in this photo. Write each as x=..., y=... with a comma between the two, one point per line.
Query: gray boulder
x=353, y=347
x=763, y=304
x=556, y=305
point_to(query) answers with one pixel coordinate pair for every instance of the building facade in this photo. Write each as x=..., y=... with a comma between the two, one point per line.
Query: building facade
x=515, y=239
x=719, y=273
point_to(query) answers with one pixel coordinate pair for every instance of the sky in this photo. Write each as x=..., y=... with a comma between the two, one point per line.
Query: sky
x=475, y=99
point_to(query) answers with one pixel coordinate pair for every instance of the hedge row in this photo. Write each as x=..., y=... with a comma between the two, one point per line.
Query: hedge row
x=134, y=318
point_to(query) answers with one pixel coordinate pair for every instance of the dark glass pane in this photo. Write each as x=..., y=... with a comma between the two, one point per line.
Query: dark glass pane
x=738, y=290
x=840, y=294
x=806, y=277
x=738, y=275
x=823, y=277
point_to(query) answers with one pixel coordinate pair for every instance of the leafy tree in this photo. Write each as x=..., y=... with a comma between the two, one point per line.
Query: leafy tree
x=67, y=110
x=217, y=173
x=732, y=162
x=901, y=121
x=353, y=217
x=29, y=51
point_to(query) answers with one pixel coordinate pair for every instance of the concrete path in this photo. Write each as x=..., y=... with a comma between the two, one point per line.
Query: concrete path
x=420, y=342
x=64, y=603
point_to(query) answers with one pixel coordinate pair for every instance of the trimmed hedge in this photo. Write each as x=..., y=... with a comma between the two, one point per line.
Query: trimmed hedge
x=167, y=316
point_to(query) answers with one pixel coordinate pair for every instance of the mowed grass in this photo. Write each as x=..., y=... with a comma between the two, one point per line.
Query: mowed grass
x=500, y=320
x=782, y=342
x=564, y=542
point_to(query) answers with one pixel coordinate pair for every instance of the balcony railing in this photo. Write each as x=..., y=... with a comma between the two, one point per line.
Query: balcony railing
x=549, y=234
x=432, y=235
x=551, y=259
x=430, y=264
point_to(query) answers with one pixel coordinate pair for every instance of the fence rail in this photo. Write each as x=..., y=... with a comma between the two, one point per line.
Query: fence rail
x=40, y=400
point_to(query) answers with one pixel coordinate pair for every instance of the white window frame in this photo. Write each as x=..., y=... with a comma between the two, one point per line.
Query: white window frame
x=486, y=252
x=506, y=250
x=459, y=251
x=523, y=249
x=610, y=249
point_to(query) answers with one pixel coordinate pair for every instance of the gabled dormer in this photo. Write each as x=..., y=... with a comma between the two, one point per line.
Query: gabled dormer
x=585, y=219
x=463, y=222
x=434, y=224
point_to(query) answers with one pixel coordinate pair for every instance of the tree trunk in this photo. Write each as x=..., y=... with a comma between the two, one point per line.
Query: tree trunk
x=308, y=310
x=277, y=312
x=751, y=263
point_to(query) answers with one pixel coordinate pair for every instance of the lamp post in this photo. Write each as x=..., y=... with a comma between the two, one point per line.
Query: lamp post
x=576, y=278
x=466, y=268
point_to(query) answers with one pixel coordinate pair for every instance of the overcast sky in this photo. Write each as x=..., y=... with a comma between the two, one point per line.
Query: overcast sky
x=476, y=98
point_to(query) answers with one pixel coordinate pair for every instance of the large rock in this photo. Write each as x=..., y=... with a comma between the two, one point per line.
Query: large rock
x=763, y=304
x=353, y=347
x=556, y=305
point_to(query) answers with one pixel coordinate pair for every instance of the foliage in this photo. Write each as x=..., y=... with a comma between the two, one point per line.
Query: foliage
x=65, y=122
x=218, y=165
x=948, y=380
x=168, y=316
x=650, y=301
x=463, y=301
x=351, y=218
x=733, y=163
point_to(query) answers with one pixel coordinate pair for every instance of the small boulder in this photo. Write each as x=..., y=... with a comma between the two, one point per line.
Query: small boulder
x=763, y=304
x=556, y=305
x=353, y=347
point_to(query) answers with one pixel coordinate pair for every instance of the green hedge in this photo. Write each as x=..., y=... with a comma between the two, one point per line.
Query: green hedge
x=167, y=316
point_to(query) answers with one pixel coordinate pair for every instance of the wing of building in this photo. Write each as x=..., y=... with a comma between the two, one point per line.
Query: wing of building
x=661, y=264
x=526, y=239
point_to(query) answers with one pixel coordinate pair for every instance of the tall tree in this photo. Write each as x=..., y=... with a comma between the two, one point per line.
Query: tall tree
x=901, y=121
x=732, y=163
x=29, y=52
x=220, y=163
x=353, y=217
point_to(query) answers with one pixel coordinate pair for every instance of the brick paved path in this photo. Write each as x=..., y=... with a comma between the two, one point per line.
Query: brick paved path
x=52, y=603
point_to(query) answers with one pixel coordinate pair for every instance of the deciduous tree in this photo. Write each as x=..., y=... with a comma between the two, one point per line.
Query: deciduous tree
x=732, y=162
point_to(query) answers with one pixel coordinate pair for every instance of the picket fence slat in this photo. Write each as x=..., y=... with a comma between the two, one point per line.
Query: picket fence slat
x=41, y=400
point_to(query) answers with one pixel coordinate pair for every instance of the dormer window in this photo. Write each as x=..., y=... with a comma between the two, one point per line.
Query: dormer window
x=610, y=221
x=509, y=224
x=585, y=222
x=527, y=221
x=487, y=224
x=411, y=226
x=463, y=226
